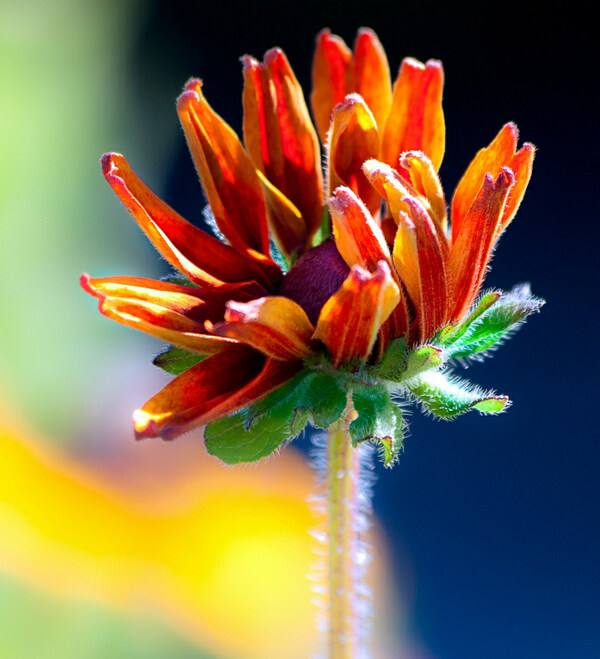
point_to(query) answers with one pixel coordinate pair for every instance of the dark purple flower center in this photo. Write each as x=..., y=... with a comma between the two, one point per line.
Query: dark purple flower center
x=314, y=278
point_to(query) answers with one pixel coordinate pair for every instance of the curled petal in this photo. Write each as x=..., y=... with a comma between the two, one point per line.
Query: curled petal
x=472, y=249
x=285, y=220
x=371, y=75
x=352, y=317
x=276, y=326
x=198, y=255
x=416, y=118
x=216, y=387
x=175, y=314
x=331, y=78
x=358, y=238
x=390, y=185
x=227, y=175
x=353, y=138
x=500, y=153
x=280, y=136
x=427, y=183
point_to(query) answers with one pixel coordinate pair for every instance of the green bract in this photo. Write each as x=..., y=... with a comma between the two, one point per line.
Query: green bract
x=319, y=394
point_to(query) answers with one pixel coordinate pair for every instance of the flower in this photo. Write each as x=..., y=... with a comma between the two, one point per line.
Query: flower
x=378, y=307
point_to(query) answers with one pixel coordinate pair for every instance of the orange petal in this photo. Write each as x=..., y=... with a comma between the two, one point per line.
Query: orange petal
x=472, y=248
x=358, y=238
x=389, y=184
x=500, y=153
x=406, y=258
x=352, y=317
x=280, y=136
x=226, y=172
x=276, y=326
x=416, y=118
x=433, y=309
x=427, y=183
x=175, y=314
x=217, y=386
x=331, y=78
x=371, y=75
x=353, y=138
x=195, y=253
x=285, y=220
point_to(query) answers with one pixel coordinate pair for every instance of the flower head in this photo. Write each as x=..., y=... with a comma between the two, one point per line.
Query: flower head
x=351, y=281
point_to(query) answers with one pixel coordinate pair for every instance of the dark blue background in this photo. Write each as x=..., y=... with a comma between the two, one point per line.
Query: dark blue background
x=497, y=518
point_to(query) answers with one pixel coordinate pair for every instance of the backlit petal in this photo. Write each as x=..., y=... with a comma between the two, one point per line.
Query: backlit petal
x=280, y=136
x=352, y=317
x=427, y=183
x=500, y=153
x=353, y=138
x=416, y=118
x=217, y=386
x=358, y=238
x=433, y=309
x=227, y=175
x=174, y=314
x=472, y=248
x=331, y=78
x=276, y=326
x=371, y=75
x=195, y=253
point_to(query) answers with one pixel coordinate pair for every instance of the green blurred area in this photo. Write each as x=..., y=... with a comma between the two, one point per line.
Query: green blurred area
x=67, y=98
x=35, y=624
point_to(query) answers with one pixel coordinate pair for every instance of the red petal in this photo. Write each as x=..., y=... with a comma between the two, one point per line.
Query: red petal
x=353, y=138
x=175, y=314
x=276, y=326
x=198, y=255
x=472, y=248
x=352, y=317
x=331, y=77
x=358, y=238
x=216, y=387
x=371, y=75
x=279, y=134
x=226, y=172
x=416, y=118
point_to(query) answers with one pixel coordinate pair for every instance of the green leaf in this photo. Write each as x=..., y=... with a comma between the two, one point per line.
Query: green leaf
x=448, y=397
x=452, y=333
x=179, y=279
x=232, y=440
x=177, y=360
x=492, y=322
x=379, y=420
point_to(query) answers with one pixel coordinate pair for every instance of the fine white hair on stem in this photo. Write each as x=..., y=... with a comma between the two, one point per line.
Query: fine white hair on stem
x=319, y=573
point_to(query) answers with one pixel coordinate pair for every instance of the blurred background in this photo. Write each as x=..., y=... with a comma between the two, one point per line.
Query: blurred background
x=487, y=537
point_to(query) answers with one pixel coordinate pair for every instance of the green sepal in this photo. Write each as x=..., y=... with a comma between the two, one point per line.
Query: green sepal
x=448, y=397
x=379, y=421
x=393, y=361
x=176, y=360
x=422, y=359
x=234, y=439
x=492, y=321
x=324, y=230
x=397, y=365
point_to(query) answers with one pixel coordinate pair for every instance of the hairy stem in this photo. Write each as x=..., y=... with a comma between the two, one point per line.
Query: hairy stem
x=344, y=544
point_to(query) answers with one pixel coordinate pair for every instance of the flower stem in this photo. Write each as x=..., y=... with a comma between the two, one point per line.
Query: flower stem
x=343, y=534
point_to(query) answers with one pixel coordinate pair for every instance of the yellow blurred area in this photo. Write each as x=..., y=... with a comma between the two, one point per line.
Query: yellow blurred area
x=222, y=554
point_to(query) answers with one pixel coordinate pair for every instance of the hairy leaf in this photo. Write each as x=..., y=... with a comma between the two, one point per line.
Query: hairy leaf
x=448, y=397
x=175, y=360
x=378, y=420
